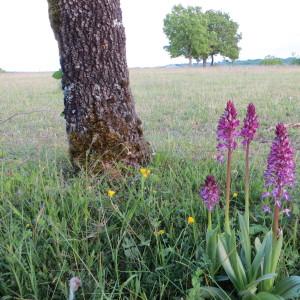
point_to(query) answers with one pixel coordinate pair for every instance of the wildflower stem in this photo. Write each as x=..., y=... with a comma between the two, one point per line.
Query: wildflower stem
x=277, y=213
x=209, y=227
x=228, y=182
x=247, y=175
x=276, y=220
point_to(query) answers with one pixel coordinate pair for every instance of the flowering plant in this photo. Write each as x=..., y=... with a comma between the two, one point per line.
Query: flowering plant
x=226, y=136
x=211, y=195
x=252, y=273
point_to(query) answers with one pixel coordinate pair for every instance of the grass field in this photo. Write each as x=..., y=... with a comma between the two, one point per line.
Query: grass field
x=54, y=225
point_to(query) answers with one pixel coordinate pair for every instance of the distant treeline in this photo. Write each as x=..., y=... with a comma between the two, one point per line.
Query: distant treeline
x=268, y=60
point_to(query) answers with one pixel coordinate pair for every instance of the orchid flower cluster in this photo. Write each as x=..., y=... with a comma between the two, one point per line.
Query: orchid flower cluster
x=258, y=275
x=279, y=174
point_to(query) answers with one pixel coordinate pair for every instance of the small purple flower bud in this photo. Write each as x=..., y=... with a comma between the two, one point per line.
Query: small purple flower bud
x=210, y=193
x=278, y=203
x=251, y=125
x=227, y=129
x=75, y=284
x=220, y=157
x=280, y=172
x=287, y=212
x=265, y=195
x=266, y=209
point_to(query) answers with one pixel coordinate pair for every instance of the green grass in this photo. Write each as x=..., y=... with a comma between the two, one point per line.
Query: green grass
x=54, y=225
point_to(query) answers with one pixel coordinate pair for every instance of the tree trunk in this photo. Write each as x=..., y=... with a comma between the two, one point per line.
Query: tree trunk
x=190, y=61
x=204, y=62
x=101, y=121
x=212, y=60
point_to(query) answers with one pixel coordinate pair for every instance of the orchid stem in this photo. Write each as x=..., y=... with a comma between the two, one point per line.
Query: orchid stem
x=209, y=227
x=228, y=182
x=247, y=177
x=276, y=220
x=276, y=215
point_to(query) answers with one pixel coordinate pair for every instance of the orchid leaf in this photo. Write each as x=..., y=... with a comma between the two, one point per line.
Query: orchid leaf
x=255, y=283
x=211, y=249
x=277, y=246
x=267, y=266
x=288, y=288
x=230, y=260
x=224, y=259
x=257, y=244
x=272, y=255
x=258, y=259
x=235, y=259
x=265, y=296
x=213, y=293
x=245, y=243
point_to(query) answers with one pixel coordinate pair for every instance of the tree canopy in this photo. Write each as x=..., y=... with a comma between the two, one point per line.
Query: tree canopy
x=198, y=35
x=186, y=29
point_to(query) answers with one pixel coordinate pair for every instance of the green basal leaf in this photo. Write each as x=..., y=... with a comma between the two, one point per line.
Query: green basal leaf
x=277, y=246
x=252, y=286
x=267, y=266
x=264, y=296
x=212, y=249
x=272, y=256
x=235, y=259
x=231, y=261
x=224, y=259
x=260, y=253
x=245, y=243
x=257, y=244
x=288, y=288
x=213, y=293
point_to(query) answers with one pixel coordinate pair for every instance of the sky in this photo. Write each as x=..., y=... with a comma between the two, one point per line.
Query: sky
x=269, y=27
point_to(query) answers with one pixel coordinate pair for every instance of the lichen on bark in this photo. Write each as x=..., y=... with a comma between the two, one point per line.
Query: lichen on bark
x=101, y=121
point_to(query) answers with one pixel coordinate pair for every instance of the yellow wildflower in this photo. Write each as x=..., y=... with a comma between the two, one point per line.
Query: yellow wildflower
x=235, y=195
x=159, y=232
x=191, y=220
x=145, y=172
x=110, y=193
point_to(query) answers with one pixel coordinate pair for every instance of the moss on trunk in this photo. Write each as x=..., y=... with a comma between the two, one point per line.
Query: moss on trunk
x=101, y=121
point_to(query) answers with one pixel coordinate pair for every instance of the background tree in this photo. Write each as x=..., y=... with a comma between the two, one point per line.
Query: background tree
x=224, y=36
x=198, y=35
x=101, y=121
x=186, y=29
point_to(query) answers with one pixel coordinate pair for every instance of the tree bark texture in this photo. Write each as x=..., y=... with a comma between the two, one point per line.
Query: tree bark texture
x=101, y=121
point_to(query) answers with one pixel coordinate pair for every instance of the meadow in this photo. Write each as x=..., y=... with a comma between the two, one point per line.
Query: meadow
x=137, y=245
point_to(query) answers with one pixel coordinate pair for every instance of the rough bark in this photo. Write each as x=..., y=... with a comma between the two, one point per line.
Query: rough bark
x=101, y=121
